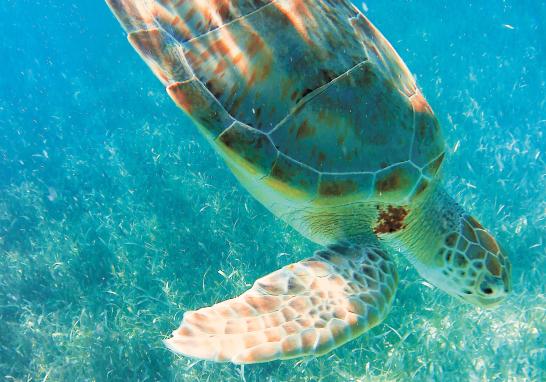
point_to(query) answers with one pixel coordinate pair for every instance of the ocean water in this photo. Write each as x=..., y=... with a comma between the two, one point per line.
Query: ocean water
x=116, y=216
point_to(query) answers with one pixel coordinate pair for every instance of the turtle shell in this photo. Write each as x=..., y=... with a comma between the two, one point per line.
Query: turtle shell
x=305, y=99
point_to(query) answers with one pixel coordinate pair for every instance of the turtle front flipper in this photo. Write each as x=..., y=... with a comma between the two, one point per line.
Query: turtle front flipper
x=306, y=308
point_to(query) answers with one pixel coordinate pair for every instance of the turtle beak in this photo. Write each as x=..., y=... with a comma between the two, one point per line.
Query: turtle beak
x=491, y=292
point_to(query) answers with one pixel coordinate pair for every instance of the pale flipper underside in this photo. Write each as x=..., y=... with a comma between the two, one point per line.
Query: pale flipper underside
x=306, y=308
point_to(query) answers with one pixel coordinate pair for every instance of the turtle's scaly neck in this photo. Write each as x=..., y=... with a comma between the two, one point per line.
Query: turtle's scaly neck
x=430, y=219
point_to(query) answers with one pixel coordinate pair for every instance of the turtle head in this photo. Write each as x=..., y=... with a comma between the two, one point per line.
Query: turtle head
x=472, y=266
x=453, y=251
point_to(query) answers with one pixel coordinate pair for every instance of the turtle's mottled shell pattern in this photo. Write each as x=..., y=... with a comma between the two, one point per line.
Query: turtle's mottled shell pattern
x=304, y=98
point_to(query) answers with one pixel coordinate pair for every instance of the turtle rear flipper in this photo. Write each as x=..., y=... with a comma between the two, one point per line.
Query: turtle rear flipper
x=165, y=57
x=306, y=308
x=163, y=54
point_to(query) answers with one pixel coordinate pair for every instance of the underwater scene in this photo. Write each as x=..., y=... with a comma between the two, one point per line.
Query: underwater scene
x=117, y=215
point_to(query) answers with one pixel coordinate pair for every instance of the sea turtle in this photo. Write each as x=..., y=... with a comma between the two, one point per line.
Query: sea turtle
x=321, y=121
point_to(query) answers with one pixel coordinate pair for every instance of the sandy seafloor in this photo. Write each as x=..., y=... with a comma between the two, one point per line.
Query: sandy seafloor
x=116, y=216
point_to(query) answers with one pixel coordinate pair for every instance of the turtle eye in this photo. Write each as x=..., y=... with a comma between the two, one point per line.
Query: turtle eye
x=486, y=289
x=491, y=285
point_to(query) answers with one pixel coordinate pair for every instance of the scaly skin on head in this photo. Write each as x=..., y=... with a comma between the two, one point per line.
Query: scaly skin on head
x=453, y=250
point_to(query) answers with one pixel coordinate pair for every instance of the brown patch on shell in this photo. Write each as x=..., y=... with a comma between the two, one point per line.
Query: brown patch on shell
x=176, y=91
x=423, y=185
x=305, y=130
x=391, y=183
x=219, y=46
x=255, y=44
x=422, y=129
x=305, y=92
x=390, y=220
x=420, y=104
x=337, y=187
x=280, y=173
x=321, y=157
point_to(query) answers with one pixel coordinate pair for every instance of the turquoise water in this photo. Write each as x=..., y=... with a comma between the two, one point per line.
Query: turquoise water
x=116, y=216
